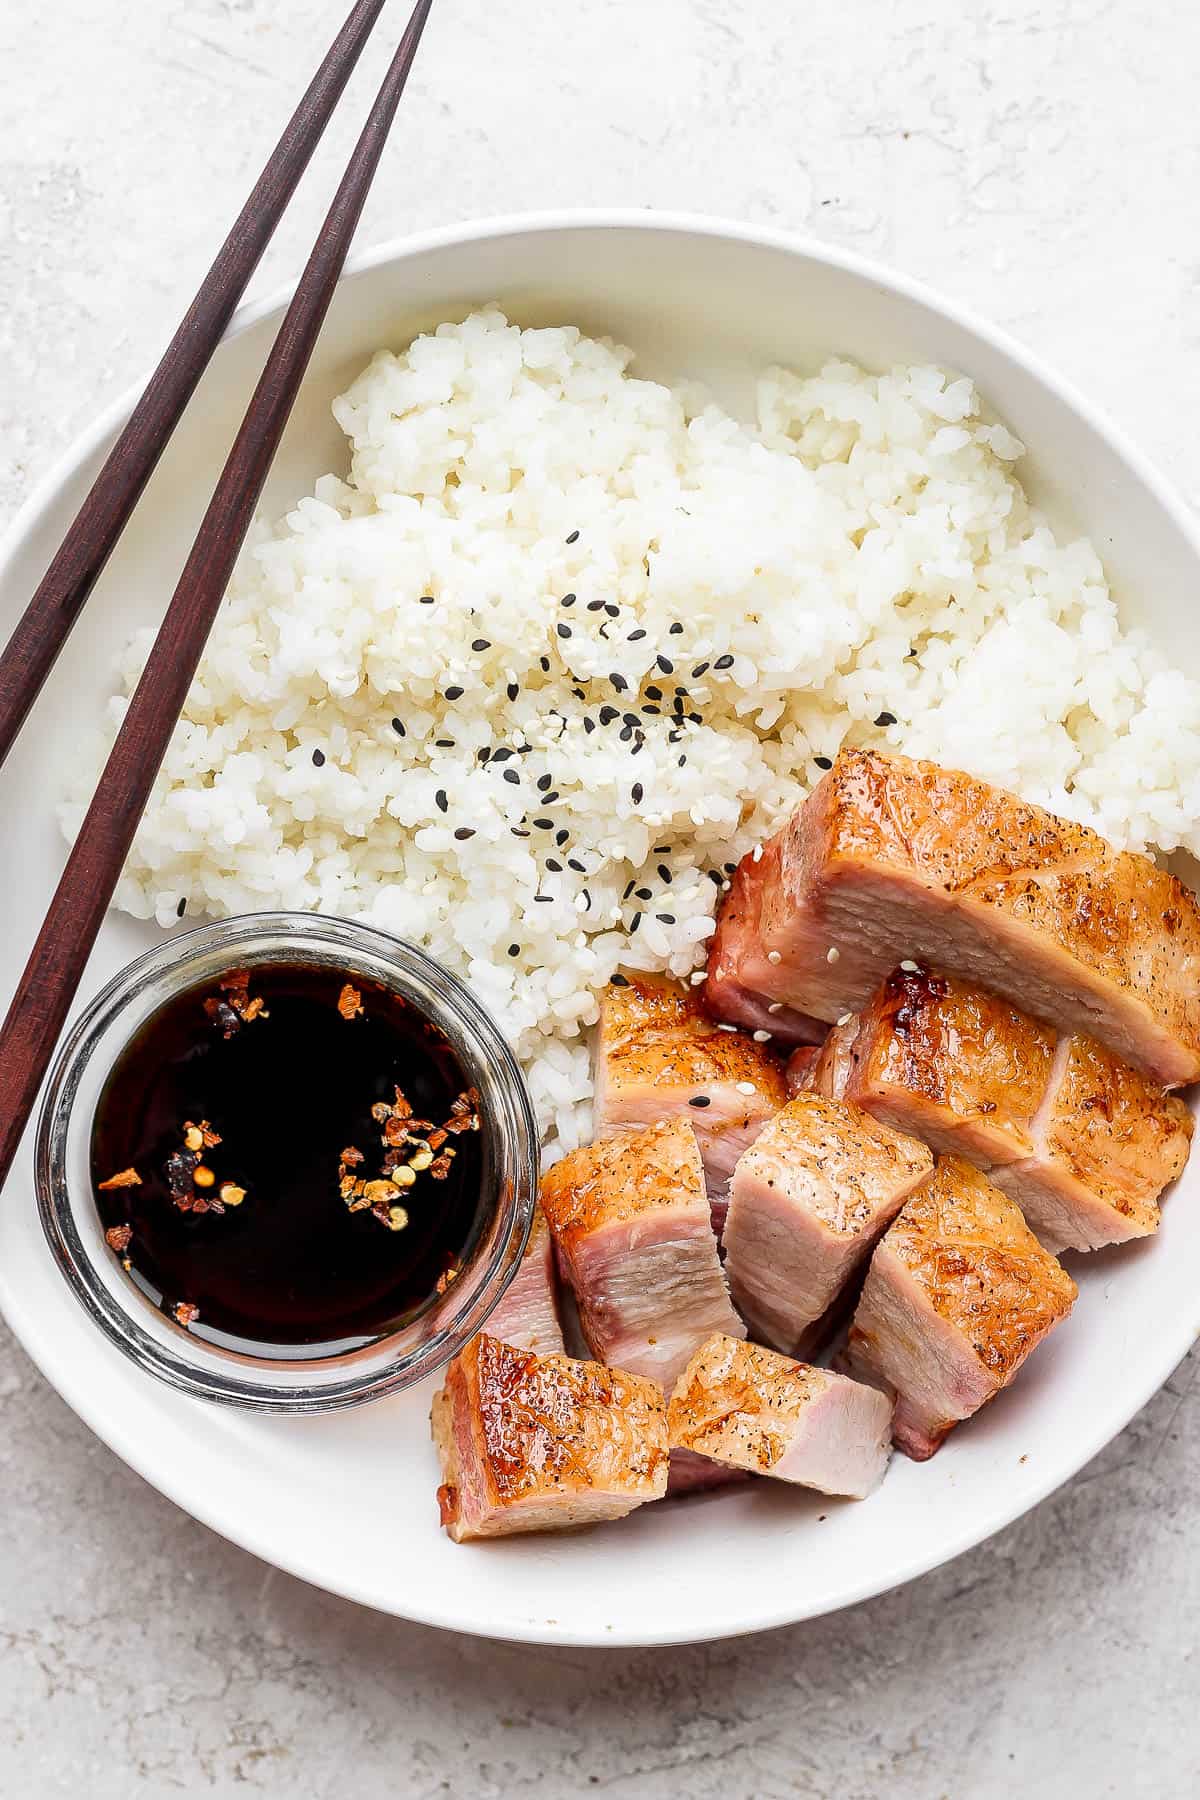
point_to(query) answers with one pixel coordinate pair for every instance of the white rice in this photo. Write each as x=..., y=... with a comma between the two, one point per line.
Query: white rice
x=863, y=554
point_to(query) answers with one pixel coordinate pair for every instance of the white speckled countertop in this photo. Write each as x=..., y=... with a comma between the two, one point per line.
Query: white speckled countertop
x=1039, y=159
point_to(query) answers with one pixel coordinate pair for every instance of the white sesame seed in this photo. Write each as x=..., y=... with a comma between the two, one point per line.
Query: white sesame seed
x=775, y=1006
x=746, y=1087
x=832, y=954
x=758, y=853
x=774, y=956
x=911, y=968
x=726, y=1027
x=845, y=1018
x=762, y=1037
x=698, y=977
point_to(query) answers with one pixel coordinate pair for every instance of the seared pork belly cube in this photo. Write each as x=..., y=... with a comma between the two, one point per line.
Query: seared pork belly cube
x=1106, y=1142
x=891, y=859
x=659, y=1056
x=807, y=1204
x=539, y=1443
x=1084, y=1143
x=757, y=1411
x=631, y=1223
x=957, y=1066
x=959, y=1291
x=527, y=1313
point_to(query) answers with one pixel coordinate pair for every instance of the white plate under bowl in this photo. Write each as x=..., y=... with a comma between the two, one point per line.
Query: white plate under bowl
x=693, y=298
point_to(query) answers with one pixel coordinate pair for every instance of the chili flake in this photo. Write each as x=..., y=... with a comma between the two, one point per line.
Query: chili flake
x=350, y=1002
x=126, y=1178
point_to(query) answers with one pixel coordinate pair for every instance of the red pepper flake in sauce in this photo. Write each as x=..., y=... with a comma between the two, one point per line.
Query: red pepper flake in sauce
x=236, y=1008
x=350, y=1002
x=125, y=1178
x=185, y=1312
x=118, y=1238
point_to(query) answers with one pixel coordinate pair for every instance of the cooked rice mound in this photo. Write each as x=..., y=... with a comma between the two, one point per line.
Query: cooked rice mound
x=564, y=644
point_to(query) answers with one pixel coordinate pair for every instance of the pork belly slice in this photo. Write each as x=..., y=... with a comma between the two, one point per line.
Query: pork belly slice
x=1106, y=1142
x=631, y=1224
x=540, y=1443
x=527, y=1312
x=959, y=1291
x=807, y=1203
x=1083, y=1143
x=659, y=1056
x=755, y=1410
x=955, y=1065
x=891, y=859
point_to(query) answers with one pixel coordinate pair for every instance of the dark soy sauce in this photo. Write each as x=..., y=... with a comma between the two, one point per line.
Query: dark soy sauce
x=288, y=1084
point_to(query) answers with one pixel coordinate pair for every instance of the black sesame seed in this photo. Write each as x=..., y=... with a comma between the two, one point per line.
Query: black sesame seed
x=561, y=836
x=181, y=908
x=636, y=636
x=517, y=831
x=574, y=538
x=681, y=762
x=545, y=664
x=553, y=863
x=608, y=714
x=699, y=1100
x=595, y=606
x=587, y=901
x=665, y=664
x=729, y=868
x=654, y=693
x=614, y=612
x=723, y=662
x=635, y=921
x=699, y=670
x=618, y=681
x=672, y=737
x=512, y=690
x=619, y=980
x=823, y=762
x=479, y=644
x=714, y=877
x=636, y=792
x=544, y=824
x=502, y=754
x=665, y=918
x=443, y=743
x=543, y=782
x=589, y=725
x=574, y=863
x=886, y=718
x=512, y=775
x=551, y=797
x=662, y=849
x=644, y=893
x=514, y=949
x=626, y=733
x=318, y=759
x=426, y=600
x=676, y=630
x=454, y=693
x=543, y=899
x=440, y=800
x=696, y=718
x=664, y=874
x=484, y=754
x=564, y=631
x=629, y=888
x=398, y=728
x=579, y=693
x=463, y=833
x=568, y=600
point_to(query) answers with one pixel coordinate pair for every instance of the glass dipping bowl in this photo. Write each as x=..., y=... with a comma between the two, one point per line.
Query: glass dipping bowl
x=71, y=1220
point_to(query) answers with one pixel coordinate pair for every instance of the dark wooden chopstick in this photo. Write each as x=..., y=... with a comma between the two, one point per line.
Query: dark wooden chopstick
x=46, y=623
x=44, y=996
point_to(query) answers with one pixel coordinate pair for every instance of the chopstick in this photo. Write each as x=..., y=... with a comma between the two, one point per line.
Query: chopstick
x=44, y=627
x=54, y=969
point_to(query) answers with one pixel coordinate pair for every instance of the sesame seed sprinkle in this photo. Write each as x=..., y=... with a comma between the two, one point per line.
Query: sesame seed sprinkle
x=746, y=1087
x=761, y=1037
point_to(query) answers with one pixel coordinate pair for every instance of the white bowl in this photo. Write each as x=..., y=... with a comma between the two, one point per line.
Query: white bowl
x=348, y=1501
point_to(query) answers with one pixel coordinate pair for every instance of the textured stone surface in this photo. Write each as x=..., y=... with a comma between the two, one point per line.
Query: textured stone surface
x=1035, y=158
